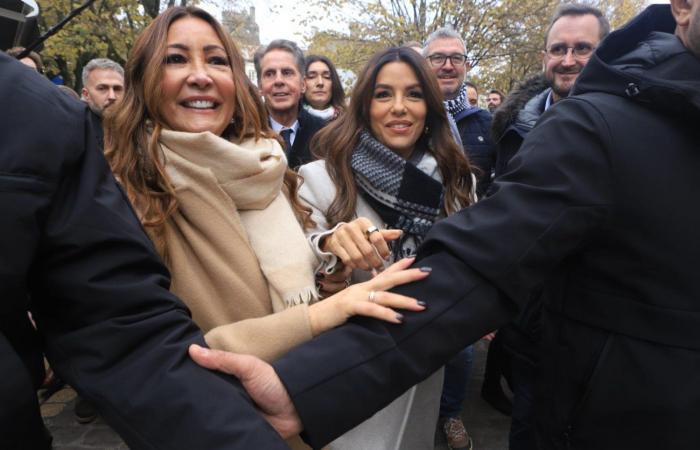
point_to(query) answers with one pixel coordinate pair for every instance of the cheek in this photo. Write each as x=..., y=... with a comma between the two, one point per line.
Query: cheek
x=375, y=116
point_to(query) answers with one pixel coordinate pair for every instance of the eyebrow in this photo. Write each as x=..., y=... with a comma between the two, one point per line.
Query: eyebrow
x=206, y=47
x=386, y=86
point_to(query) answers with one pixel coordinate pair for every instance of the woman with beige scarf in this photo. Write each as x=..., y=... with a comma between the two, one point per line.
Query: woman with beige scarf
x=191, y=145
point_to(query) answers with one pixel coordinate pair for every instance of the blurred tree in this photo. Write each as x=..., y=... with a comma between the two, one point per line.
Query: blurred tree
x=504, y=37
x=107, y=29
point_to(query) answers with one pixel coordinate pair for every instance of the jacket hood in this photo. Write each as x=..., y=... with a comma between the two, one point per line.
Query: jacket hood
x=516, y=101
x=645, y=62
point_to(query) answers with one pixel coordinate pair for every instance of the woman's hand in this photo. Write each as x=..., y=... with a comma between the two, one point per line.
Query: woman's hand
x=359, y=249
x=369, y=299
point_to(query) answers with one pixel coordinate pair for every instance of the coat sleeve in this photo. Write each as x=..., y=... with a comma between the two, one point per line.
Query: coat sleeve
x=267, y=337
x=485, y=261
x=318, y=193
x=99, y=292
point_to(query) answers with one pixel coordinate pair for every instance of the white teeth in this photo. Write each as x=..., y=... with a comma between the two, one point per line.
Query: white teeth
x=200, y=104
x=401, y=126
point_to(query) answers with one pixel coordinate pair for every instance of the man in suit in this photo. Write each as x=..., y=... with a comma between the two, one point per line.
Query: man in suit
x=74, y=254
x=280, y=69
x=584, y=212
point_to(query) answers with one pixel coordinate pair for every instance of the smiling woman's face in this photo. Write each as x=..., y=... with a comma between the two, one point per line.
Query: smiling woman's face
x=397, y=111
x=197, y=87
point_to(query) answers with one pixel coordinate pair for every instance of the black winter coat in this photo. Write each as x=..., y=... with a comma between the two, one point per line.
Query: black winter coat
x=474, y=125
x=597, y=206
x=73, y=252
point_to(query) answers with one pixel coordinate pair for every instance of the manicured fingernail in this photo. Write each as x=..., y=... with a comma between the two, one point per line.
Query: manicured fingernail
x=421, y=303
x=426, y=269
x=399, y=317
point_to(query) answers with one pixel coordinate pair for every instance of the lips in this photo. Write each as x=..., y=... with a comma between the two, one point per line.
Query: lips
x=200, y=103
x=399, y=126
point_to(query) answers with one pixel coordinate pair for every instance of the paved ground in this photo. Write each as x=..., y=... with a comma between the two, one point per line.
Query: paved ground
x=488, y=428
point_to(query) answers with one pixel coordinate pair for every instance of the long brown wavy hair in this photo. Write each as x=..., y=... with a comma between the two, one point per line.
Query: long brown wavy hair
x=336, y=142
x=133, y=129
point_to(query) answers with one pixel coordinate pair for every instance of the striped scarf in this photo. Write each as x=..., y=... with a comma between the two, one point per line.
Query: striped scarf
x=403, y=195
x=459, y=103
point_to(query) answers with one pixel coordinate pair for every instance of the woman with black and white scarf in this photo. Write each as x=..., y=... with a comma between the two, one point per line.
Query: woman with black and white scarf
x=390, y=169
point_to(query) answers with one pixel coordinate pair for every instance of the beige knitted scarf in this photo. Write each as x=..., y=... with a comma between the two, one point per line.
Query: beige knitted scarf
x=251, y=175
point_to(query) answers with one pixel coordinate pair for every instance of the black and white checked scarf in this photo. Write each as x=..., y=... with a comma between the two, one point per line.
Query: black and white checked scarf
x=404, y=196
x=459, y=103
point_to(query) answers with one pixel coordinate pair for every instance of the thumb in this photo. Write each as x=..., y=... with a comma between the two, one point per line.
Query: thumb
x=390, y=235
x=240, y=366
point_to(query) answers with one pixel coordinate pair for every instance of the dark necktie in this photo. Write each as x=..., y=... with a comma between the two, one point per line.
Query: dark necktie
x=287, y=135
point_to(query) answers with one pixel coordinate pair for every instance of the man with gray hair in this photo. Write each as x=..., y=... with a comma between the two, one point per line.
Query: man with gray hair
x=280, y=70
x=447, y=57
x=446, y=54
x=103, y=84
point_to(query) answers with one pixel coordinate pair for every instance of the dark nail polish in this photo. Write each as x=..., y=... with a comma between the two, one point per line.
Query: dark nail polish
x=421, y=303
x=426, y=269
x=399, y=317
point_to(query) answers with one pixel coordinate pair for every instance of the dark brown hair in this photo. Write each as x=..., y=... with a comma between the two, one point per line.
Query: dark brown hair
x=133, y=127
x=336, y=142
x=337, y=92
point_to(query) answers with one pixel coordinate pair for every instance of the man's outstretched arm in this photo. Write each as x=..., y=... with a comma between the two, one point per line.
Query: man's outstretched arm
x=485, y=261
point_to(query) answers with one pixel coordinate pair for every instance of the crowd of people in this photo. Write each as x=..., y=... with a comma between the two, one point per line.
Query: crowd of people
x=354, y=247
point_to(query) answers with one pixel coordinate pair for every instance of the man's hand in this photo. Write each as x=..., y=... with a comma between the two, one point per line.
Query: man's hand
x=261, y=382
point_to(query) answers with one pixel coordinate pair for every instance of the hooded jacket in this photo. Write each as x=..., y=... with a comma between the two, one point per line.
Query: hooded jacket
x=598, y=207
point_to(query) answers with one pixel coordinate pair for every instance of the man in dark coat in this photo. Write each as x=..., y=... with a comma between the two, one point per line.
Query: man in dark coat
x=73, y=252
x=446, y=54
x=573, y=34
x=280, y=70
x=595, y=207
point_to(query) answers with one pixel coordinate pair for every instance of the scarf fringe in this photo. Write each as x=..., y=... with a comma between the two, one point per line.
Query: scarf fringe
x=307, y=295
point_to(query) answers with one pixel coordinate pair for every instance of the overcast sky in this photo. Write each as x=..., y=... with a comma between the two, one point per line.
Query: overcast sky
x=273, y=17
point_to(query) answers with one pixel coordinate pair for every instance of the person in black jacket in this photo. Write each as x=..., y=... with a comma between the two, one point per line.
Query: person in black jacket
x=573, y=34
x=280, y=70
x=446, y=54
x=74, y=253
x=585, y=210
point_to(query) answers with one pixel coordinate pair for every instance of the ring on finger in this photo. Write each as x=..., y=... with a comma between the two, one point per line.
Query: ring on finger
x=347, y=282
x=372, y=296
x=370, y=230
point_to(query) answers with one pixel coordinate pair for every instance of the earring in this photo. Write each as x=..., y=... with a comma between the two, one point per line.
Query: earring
x=426, y=130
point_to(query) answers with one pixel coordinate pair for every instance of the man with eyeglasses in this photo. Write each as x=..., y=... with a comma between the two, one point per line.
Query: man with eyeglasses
x=446, y=54
x=573, y=34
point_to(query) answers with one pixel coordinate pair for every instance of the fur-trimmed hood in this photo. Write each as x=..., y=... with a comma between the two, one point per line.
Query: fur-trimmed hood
x=507, y=113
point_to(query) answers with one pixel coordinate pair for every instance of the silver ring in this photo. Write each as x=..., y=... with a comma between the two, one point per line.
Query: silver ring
x=370, y=230
x=347, y=283
x=372, y=295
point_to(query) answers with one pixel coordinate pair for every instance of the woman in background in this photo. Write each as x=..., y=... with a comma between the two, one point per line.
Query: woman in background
x=324, y=96
x=390, y=169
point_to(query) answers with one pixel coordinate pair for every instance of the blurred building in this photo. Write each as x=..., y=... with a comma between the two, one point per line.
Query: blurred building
x=245, y=32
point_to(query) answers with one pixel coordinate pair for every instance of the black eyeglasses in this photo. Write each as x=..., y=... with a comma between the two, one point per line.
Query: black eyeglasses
x=438, y=59
x=581, y=50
